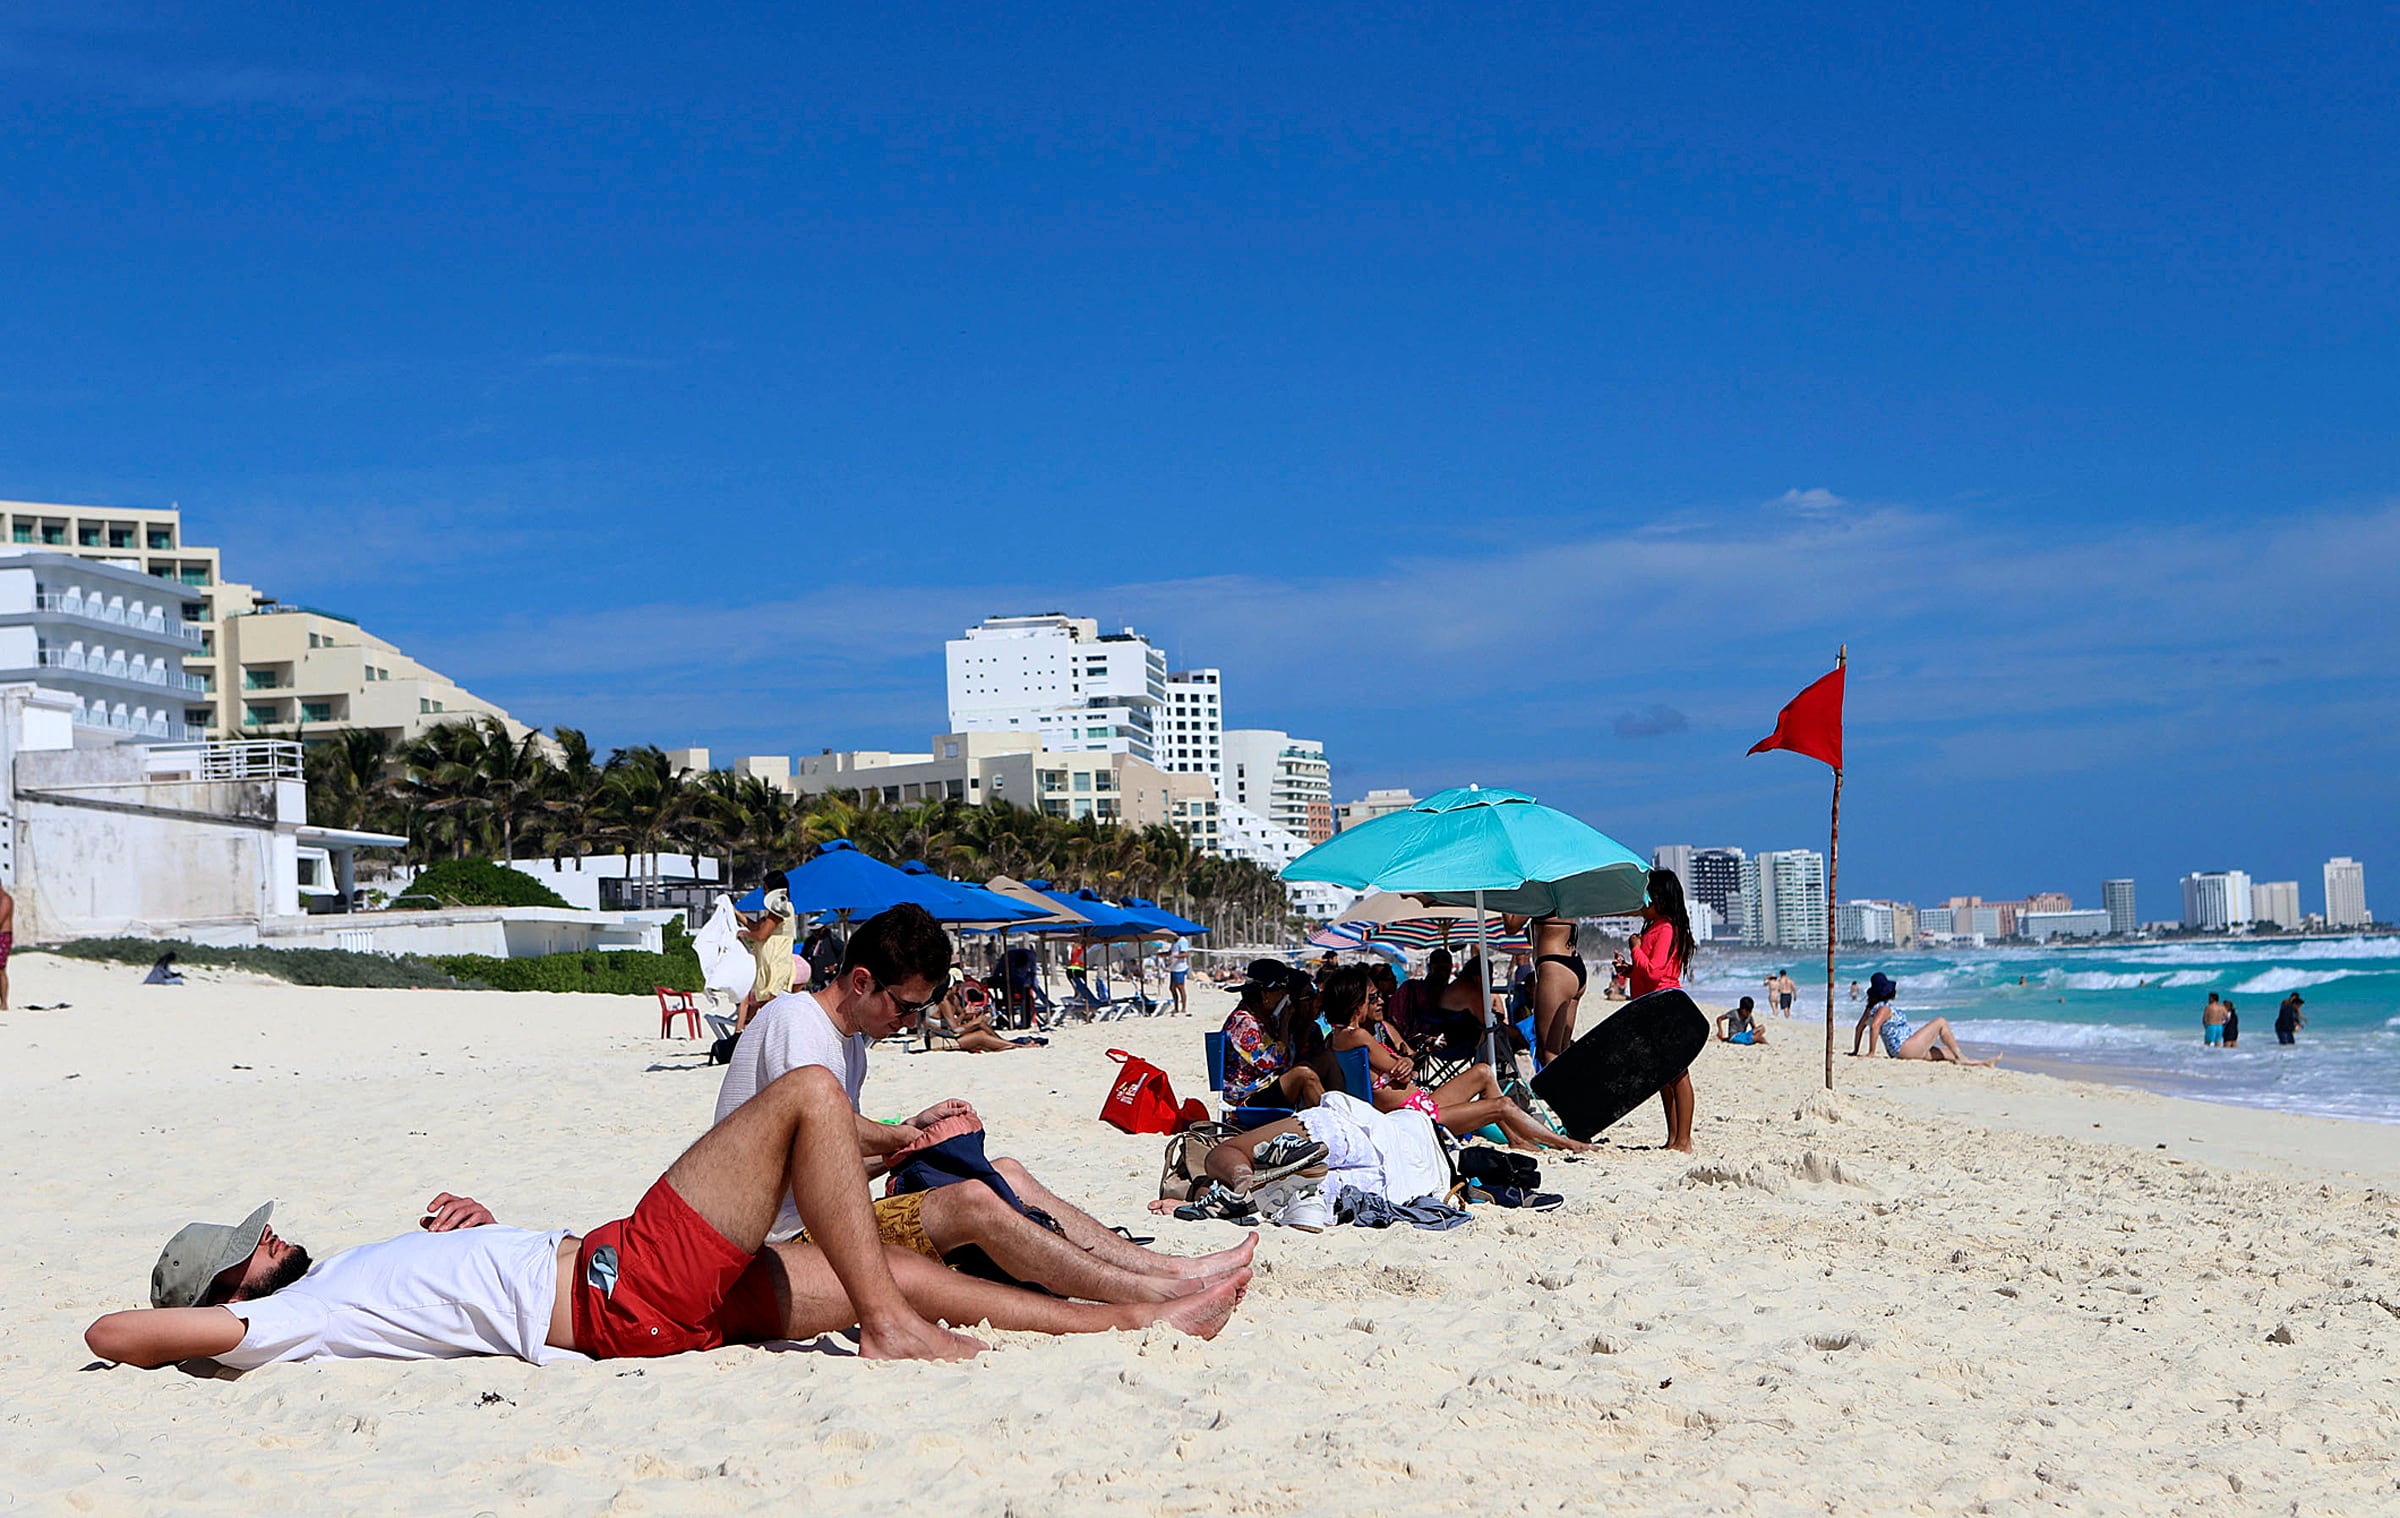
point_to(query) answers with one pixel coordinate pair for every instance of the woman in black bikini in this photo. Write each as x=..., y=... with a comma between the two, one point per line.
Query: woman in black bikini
x=1558, y=981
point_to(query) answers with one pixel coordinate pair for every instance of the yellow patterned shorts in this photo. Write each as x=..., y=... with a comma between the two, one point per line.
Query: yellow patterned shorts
x=900, y=1220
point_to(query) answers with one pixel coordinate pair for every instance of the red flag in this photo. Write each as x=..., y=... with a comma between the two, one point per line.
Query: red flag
x=1811, y=723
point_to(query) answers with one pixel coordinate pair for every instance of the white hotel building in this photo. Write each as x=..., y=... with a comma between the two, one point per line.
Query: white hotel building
x=1061, y=680
x=2346, y=893
x=2217, y=901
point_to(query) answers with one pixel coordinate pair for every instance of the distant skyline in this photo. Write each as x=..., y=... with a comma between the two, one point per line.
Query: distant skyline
x=1537, y=403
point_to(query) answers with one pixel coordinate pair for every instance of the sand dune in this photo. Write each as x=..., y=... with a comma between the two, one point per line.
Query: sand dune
x=1940, y=1291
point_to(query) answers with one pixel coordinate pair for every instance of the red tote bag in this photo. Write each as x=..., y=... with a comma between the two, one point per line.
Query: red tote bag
x=1142, y=1100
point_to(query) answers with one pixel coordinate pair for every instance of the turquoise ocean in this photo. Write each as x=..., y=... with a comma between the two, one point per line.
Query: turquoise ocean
x=2130, y=1014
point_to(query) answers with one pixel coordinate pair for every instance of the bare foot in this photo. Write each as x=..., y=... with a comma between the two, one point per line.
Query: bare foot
x=915, y=1339
x=1203, y=1314
x=1214, y=1266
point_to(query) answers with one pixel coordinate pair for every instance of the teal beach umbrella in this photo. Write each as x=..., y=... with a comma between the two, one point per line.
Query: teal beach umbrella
x=1494, y=850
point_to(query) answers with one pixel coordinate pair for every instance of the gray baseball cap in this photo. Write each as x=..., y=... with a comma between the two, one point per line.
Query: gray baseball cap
x=199, y=1253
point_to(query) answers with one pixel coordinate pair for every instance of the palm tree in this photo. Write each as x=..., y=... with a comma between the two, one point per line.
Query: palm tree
x=350, y=780
x=647, y=803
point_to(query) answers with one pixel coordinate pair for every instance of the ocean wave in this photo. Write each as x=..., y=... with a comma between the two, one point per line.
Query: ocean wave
x=2233, y=953
x=2285, y=978
x=2184, y=980
x=2022, y=1034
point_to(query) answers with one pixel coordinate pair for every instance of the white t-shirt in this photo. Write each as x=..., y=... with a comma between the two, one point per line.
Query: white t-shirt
x=421, y=1296
x=788, y=1033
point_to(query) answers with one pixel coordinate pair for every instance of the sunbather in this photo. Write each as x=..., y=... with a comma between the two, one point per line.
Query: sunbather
x=890, y=970
x=1884, y=1021
x=962, y=1021
x=1467, y=1101
x=686, y=1270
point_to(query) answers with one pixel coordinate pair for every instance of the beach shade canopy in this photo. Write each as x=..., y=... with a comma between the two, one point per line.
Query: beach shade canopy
x=1349, y=937
x=1101, y=919
x=1151, y=912
x=982, y=907
x=1049, y=916
x=1387, y=906
x=1493, y=850
x=1452, y=933
x=840, y=881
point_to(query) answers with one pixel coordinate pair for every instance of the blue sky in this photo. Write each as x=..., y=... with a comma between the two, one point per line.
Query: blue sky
x=1534, y=395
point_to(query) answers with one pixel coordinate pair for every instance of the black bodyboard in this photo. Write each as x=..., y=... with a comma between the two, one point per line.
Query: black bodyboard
x=1624, y=1062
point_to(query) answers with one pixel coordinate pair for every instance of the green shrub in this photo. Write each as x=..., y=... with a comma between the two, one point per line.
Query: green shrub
x=620, y=972
x=478, y=883
x=302, y=967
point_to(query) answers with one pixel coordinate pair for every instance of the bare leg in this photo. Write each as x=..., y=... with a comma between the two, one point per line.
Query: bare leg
x=812, y=1301
x=972, y=1213
x=1090, y=1233
x=1231, y=1161
x=1935, y=1041
x=984, y=1041
x=1676, y=1098
x=1302, y=1088
x=1523, y=1132
x=799, y=1135
x=1555, y=996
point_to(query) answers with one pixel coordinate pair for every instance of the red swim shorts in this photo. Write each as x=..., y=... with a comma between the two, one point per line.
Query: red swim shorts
x=663, y=1281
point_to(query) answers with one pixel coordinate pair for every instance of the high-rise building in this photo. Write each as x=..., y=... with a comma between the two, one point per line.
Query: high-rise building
x=2117, y=897
x=1191, y=733
x=2275, y=903
x=1676, y=857
x=2346, y=893
x=105, y=645
x=1282, y=778
x=2048, y=901
x=1863, y=922
x=1904, y=924
x=1371, y=806
x=2041, y=927
x=1060, y=678
x=1715, y=877
x=2216, y=901
x=302, y=670
x=1790, y=886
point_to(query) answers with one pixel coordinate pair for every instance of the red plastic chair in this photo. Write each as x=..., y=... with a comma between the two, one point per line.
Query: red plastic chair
x=673, y=1004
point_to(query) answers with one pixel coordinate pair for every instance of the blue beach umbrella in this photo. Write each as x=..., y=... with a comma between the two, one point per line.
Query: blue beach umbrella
x=1494, y=850
x=975, y=904
x=1143, y=910
x=845, y=883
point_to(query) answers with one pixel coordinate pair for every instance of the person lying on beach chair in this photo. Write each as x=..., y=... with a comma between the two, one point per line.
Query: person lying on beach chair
x=961, y=1021
x=688, y=1269
x=1741, y=1025
x=890, y=971
x=1462, y=1104
x=1901, y=1039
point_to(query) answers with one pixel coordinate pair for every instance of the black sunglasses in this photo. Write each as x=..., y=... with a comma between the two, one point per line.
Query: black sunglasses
x=909, y=1008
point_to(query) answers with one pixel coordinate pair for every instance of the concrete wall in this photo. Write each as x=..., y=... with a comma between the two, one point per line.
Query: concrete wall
x=501, y=932
x=578, y=880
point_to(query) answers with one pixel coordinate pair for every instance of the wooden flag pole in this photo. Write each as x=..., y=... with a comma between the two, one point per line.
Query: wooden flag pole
x=1833, y=874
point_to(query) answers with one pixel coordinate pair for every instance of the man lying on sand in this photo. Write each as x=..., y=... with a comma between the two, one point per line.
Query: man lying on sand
x=685, y=1271
x=891, y=972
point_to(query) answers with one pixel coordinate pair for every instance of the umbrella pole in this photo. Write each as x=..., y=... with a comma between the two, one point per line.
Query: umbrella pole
x=1483, y=992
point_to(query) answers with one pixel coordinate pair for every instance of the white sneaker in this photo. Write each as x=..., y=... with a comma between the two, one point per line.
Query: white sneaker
x=1306, y=1210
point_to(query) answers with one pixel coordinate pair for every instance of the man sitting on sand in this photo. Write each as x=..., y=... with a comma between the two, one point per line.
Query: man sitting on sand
x=686, y=1270
x=1741, y=1025
x=890, y=973
x=1901, y=1039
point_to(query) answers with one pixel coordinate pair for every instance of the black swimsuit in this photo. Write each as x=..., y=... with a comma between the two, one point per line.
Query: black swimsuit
x=1571, y=961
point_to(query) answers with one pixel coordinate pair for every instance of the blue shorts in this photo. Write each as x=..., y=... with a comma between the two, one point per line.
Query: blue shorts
x=1743, y=1037
x=1175, y=977
x=2213, y=1034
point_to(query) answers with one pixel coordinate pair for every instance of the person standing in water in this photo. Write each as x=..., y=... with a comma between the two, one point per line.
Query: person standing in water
x=2212, y=1021
x=2288, y=1020
x=1662, y=952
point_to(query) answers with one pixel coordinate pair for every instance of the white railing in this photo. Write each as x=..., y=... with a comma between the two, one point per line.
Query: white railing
x=156, y=725
x=241, y=759
x=114, y=614
x=117, y=668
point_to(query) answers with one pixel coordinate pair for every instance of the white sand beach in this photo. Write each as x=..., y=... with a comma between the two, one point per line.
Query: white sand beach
x=1942, y=1291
